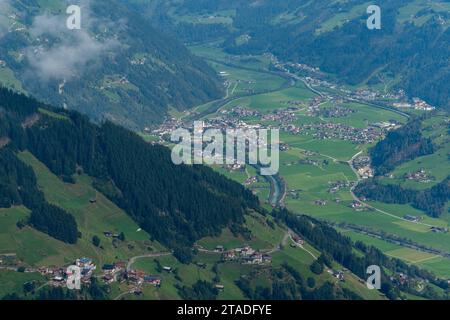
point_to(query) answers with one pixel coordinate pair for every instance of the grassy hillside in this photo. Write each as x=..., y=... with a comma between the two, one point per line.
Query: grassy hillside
x=37, y=249
x=34, y=248
x=210, y=267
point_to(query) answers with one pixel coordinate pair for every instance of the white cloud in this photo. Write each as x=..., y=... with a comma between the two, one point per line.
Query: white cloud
x=4, y=21
x=68, y=52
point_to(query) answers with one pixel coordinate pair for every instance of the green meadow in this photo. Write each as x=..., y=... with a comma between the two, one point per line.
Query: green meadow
x=268, y=102
x=12, y=282
x=37, y=249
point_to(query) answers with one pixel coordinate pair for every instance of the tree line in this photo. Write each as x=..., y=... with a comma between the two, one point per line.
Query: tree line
x=432, y=201
x=177, y=205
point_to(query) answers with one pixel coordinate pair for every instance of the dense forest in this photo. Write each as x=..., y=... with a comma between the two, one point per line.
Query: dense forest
x=400, y=146
x=432, y=201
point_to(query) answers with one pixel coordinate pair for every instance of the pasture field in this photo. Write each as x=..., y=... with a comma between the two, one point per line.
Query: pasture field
x=365, y=114
x=332, y=149
x=378, y=243
x=410, y=11
x=436, y=165
x=243, y=82
x=227, y=272
x=219, y=17
x=12, y=282
x=439, y=265
x=36, y=248
x=268, y=102
x=9, y=80
x=214, y=53
x=410, y=255
x=342, y=18
x=167, y=289
x=263, y=236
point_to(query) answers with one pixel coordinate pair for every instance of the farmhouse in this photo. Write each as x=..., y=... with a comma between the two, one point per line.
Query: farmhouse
x=153, y=280
x=220, y=287
x=412, y=218
x=229, y=255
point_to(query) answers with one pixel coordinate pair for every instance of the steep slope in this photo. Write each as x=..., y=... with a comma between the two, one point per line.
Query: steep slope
x=107, y=178
x=176, y=204
x=117, y=67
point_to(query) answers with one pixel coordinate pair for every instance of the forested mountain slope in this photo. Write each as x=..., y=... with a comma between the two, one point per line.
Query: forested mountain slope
x=410, y=51
x=117, y=67
x=177, y=205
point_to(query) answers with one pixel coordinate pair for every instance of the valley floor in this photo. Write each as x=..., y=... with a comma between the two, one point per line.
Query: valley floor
x=316, y=173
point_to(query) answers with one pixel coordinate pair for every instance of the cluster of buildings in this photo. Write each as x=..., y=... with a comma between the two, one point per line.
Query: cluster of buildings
x=135, y=278
x=58, y=275
x=243, y=112
x=251, y=180
x=325, y=131
x=338, y=274
x=297, y=104
x=358, y=206
x=8, y=259
x=294, y=194
x=113, y=272
x=366, y=172
x=320, y=202
x=110, y=83
x=308, y=161
x=412, y=218
x=284, y=116
x=436, y=229
x=400, y=278
x=246, y=255
x=302, y=67
x=417, y=104
x=386, y=125
x=138, y=278
x=418, y=176
x=330, y=112
x=362, y=165
x=338, y=185
x=138, y=61
x=116, y=272
x=166, y=128
x=297, y=239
